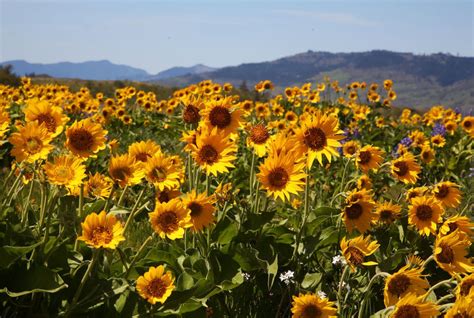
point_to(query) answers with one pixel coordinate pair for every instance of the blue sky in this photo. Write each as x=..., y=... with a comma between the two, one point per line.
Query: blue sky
x=155, y=35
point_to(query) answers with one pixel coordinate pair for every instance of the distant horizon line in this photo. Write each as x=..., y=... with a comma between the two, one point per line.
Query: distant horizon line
x=202, y=64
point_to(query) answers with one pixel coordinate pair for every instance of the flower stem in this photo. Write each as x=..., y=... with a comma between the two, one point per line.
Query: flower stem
x=134, y=209
x=364, y=293
x=303, y=220
x=339, y=289
x=134, y=260
x=122, y=196
x=107, y=204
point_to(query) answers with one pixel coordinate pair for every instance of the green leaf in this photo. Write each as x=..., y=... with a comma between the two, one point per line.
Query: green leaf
x=9, y=254
x=272, y=270
x=36, y=279
x=247, y=258
x=310, y=281
x=256, y=221
x=225, y=231
x=185, y=281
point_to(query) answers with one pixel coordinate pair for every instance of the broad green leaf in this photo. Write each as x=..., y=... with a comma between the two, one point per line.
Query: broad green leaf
x=311, y=280
x=9, y=254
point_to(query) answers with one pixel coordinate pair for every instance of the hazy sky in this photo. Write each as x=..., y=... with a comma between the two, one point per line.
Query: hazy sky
x=155, y=35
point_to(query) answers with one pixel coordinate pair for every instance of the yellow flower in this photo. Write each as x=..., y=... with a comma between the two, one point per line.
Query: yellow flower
x=412, y=306
x=310, y=305
x=214, y=152
x=388, y=212
x=156, y=285
x=427, y=154
x=85, y=138
x=359, y=215
x=462, y=308
x=424, y=213
x=143, y=150
x=68, y=171
x=364, y=182
x=406, y=280
x=369, y=158
x=448, y=194
x=170, y=219
x=465, y=287
x=357, y=249
x=31, y=142
x=222, y=115
x=319, y=135
x=450, y=253
x=102, y=230
x=4, y=122
x=44, y=112
x=350, y=148
x=161, y=172
x=281, y=176
x=468, y=125
x=405, y=168
x=416, y=192
x=124, y=170
x=258, y=139
x=97, y=186
x=202, y=209
x=438, y=141
x=463, y=223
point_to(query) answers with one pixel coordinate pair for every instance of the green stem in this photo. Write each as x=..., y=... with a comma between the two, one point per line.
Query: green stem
x=109, y=199
x=81, y=201
x=371, y=282
x=95, y=257
x=305, y=215
x=24, y=216
x=134, y=209
x=252, y=174
x=122, y=196
x=339, y=289
x=207, y=184
x=134, y=260
x=435, y=286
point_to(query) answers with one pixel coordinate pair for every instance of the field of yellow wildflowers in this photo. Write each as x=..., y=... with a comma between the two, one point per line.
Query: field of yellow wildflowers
x=323, y=201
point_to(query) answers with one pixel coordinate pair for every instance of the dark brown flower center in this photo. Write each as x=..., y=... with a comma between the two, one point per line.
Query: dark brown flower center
x=354, y=211
x=259, y=134
x=350, y=150
x=463, y=314
x=81, y=139
x=191, y=115
x=33, y=145
x=407, y=311
x=142, y=156
x=195, y=208
x=278, y=177
x=156, y=288
x=101, y=234
x=387, y=215
x=163, y=197
x=220, y=117
x=467, y=124
x=48, y=120
x=120, y=173
x=357, y=256
x=442, y=192
x=446, y=256
x=364, y=157
x=402, y=168
x=311, y=311
x=208, y=154
x=315, y=138
x=158, y=174
x=452, y=227
x=168, y=222
x=466, y=286
x=399, y=284
x=424, y=212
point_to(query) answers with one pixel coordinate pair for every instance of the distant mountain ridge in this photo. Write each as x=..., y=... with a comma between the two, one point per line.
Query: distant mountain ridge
x=100, y=70
x=420, y=80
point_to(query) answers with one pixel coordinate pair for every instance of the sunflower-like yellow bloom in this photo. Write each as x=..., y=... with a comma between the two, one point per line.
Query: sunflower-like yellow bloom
x=44, y=112
x=388, y=212
x=461, y=223
x=4, y=122
x=311, y=305
x=97, y=186
x=350, y=148
x=450, y=253
x=124, y=170
x=143, y=150
x=102, y=231
x=427, y=154
x=156, y=285
x=465, y=287
x=364, y=182
x=369, y=158
x=167, y=195
x=412, y=306
x=202, y=209
x=357, y=249
x=415, y=193
x=407, y=280
x=214, y=152
x=258, y=139
x=170, y=219
x=468, y=125
x=462, y=308
x=281, y=176
x=85, y=138
x=358, y=212
x=438, y=141
x=319, y=135
x=448, y=194
x=223, y=115
x=425, y=213
x=161, y=172
x=405, y=168
x=191, y=110
x=68, y=171
x=31, y=142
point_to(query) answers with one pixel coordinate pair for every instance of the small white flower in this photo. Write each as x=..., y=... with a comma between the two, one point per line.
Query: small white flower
x=339, y=260
x=286, y=277
x=321, y=294
x=246, y=276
